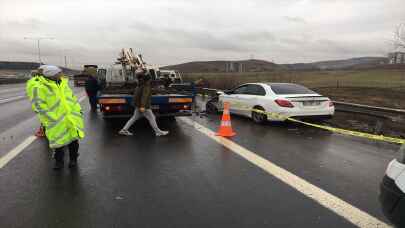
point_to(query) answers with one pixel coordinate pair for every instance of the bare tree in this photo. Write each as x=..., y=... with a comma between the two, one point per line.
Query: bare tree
x=399, y=41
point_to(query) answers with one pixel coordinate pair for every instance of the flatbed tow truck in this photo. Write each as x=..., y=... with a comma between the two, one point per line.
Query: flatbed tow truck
x=118, y=84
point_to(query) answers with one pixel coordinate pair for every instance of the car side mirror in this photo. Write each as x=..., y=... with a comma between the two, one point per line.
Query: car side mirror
x=219, y=93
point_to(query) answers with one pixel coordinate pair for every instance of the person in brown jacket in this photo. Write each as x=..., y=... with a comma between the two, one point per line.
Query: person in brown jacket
x=142, y=98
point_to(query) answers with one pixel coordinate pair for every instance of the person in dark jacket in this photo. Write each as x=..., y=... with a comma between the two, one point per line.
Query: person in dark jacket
x=167, y=81
x=92, y=87
x=142, y=100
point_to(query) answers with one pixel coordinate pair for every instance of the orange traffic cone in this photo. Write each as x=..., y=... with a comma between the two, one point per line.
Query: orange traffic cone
x=225, y=130
x=40, y=132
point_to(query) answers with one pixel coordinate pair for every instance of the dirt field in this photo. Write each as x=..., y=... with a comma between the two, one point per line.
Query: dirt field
x=375, y=78
x=378, y=87
x=382, y=97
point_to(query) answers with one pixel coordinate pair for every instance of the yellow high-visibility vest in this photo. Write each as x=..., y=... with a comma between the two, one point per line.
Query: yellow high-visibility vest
x=58, y=110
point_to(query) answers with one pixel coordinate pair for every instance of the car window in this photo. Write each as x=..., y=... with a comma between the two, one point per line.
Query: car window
x=240, y=90
x=290, y=89
x=255, y=90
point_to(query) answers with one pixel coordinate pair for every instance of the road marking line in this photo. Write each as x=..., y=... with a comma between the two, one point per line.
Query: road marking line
x=6, y=100
x=12, y=90
x=18, y=149
x=329, y=201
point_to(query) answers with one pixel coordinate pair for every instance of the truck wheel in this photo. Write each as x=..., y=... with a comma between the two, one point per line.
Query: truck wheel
x=259, y=117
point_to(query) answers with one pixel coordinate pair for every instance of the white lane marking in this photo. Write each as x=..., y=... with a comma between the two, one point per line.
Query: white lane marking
x=11, y=90
x=333, y=203
x=6, y=100
x=18, y=149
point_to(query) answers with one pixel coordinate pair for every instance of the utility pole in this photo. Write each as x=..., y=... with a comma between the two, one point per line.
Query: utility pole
x=38, y=39
x=65, y=62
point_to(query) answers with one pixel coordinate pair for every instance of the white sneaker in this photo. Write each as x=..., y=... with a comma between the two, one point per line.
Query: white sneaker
x=162, y=133
x=125, y=132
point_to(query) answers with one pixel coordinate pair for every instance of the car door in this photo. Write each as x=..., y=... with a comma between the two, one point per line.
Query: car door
x=233, y=97
x=250, y=98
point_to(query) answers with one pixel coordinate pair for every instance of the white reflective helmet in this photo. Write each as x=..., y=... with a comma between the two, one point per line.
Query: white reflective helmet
x=50, y=71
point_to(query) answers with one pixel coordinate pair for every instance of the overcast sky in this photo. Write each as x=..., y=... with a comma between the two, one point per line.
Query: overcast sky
x=176, y=31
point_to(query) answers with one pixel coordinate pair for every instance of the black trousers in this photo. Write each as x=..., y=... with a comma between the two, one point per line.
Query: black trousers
x=73, y=151
x=93, y=102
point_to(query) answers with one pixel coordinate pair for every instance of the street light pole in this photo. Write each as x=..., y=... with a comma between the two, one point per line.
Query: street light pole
x=39, y=52
x=38, y=39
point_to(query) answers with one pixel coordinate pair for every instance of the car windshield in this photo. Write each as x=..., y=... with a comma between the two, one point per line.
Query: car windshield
x=289, y=89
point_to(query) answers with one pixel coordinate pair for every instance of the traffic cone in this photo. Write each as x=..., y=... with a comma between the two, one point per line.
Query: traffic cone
x=225, y=130
x=40, y=132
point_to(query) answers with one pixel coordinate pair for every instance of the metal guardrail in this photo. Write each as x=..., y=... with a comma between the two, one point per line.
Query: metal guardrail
x=368, y=107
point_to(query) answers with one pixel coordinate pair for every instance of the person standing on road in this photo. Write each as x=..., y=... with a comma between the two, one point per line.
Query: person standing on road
x=142, y=100
x=59, y=112
x=40, y=132
x=92, y=87
x=167, y=81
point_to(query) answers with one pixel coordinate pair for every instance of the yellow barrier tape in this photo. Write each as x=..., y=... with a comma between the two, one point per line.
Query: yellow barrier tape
x=337, y=130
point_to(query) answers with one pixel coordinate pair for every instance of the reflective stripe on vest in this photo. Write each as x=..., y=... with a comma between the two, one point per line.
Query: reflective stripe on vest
x=54, y=141
x=36, y=102
x=56, y=122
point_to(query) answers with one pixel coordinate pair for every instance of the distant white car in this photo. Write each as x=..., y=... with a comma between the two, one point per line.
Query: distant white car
x=287, y=99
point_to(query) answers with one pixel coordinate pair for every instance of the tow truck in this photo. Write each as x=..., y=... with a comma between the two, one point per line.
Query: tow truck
x=118, y=83
x=392, y=190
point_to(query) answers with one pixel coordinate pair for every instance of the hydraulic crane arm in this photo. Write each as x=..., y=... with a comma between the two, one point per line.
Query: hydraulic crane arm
x=128, y=58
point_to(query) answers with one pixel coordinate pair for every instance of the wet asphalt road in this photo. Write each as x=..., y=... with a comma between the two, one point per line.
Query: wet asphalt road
x=185, y=179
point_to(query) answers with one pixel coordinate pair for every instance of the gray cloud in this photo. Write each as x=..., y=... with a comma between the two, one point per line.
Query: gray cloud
x=169, y=32
x=295, y=19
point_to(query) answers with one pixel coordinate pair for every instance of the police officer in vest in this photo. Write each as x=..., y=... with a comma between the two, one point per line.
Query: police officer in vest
x=59, y=112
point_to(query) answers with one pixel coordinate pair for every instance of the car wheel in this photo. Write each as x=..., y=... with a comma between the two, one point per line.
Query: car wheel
x=259, y=117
